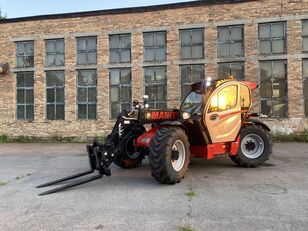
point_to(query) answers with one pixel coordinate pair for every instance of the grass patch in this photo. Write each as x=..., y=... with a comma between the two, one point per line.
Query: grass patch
x=23, y=176
x=191, y=193
x=51, y=139
x=4, y=138
x=2, y=183
x=186, y=228
x=293, y=137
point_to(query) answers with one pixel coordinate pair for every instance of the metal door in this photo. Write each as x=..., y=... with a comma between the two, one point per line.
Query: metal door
x=222, y=115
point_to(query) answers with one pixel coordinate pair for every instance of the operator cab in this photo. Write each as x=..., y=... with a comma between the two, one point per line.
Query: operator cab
x=193, y=105
x=217, y=109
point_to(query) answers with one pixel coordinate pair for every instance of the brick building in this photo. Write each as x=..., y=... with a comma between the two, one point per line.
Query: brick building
x=69, y=74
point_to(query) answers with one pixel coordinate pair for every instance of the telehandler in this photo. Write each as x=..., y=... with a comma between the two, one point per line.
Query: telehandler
x=214, y=120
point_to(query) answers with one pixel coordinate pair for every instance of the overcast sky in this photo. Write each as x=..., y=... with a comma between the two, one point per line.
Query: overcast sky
x=21, y=8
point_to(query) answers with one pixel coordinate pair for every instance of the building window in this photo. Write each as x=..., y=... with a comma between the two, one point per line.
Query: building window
x=235, y=69
x=230, y=41
x=155, y=48
x=25, y=54
x=190, y=74
x=272, y=38
x=273, y=88
x=305, y=36
x=120, y=46
x=120, y=91
x=55, y=95
x=87, y=94
x=305, y=85
x=25, y=96
x=155, y=86
x=86, y=50
x=54, y=52
x=192, y=44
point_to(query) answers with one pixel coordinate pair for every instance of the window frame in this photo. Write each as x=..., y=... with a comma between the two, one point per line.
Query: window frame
x=155, y=47
x=272, y=98
x=229, y=42
x=247, y=89
x=217, y=94
x=191, y=45
x=305, y=80
x=182, y=84
x=55, y=103
x=157, y=84
x=304, y=36
x=120, y=86
x=230, y=69
x=25, y=89
x=55, y=53
x=87, y=103
x=118, y=50
x=271, y=38
x=86, y=51
x=24, y=55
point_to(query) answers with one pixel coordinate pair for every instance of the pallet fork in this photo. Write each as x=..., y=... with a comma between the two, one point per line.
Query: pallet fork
x=100, y=158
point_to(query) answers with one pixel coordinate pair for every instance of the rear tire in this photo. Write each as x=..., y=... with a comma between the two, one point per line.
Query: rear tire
x=255, y=146
x=169, y=155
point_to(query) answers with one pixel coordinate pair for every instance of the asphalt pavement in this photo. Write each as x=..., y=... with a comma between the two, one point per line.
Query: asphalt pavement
x=215, y=194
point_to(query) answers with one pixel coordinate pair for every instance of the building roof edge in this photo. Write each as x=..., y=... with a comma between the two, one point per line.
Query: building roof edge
x=127, y=10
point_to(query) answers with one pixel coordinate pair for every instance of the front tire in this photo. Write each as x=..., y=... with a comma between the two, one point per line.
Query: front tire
x=128, y=156
x=169, y=155
x=255, y=146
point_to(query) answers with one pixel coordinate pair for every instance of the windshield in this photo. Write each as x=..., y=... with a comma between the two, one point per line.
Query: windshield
x=192, y=102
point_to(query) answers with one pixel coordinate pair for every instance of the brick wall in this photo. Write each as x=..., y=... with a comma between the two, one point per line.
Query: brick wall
x=171, y=20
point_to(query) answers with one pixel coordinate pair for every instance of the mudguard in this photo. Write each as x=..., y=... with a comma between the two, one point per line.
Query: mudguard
x=145, y=139
x=256, y=121
x=177, y=123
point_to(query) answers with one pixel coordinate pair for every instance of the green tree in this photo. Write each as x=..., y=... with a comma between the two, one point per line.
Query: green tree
x=2, y=16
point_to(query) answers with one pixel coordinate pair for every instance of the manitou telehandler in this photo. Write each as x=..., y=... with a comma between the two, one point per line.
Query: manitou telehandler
x=213, y=120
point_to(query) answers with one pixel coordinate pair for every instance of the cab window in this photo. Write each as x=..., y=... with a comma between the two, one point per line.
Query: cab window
x=224, y=99
x=245, y=99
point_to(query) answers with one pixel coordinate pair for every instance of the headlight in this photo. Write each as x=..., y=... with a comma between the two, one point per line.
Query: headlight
x=186, y=115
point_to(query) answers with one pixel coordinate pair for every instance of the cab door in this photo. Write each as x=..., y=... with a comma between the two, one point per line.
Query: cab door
x=222, y=115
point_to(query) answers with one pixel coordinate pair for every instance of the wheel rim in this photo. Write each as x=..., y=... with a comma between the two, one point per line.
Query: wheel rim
x=252, y=146
x=178, y=163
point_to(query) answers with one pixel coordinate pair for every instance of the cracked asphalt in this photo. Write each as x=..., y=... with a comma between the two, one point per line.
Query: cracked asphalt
x=215, y=194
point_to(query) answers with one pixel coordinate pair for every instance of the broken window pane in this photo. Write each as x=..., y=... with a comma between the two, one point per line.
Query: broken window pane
x=266, y=106
x=274, y=87
x=265, y=70
x=279, y=109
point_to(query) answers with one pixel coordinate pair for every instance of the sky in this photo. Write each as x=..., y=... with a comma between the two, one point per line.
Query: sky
x=21, y=8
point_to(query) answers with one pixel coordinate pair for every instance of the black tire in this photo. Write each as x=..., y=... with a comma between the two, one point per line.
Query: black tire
x=167, y=165
x=128, y=157
x=255, y=148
